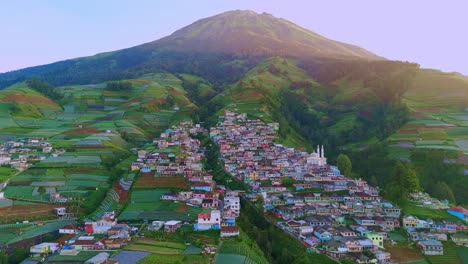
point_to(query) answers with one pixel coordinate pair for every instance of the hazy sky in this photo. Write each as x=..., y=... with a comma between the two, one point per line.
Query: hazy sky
x=33, y=32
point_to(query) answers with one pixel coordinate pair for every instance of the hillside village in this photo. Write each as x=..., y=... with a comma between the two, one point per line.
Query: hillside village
x=171, y=193
x=333, y=214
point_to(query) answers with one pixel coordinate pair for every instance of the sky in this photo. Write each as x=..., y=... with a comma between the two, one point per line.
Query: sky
x=431, y=33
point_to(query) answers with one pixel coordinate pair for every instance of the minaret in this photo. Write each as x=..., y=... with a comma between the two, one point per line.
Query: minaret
x=318, y=150
x=323, y=153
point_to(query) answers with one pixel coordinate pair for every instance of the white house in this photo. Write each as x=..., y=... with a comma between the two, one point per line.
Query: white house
x=208, y=221
x=68, y=229
x=233, y=203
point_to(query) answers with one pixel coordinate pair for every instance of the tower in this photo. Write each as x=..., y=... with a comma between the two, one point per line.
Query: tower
x=318, y=150
x=322, y=155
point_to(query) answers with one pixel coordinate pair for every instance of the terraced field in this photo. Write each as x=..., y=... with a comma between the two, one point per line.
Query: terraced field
x=451, y=255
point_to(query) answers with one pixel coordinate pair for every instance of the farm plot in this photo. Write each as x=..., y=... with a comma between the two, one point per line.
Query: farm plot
x=158, y=247
x=27, y=211
x=146, y=204
x=149, y=181
x=450, y=255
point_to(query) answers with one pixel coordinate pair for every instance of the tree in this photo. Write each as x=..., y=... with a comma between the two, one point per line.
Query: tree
x=442, y=191
x=3, y=257
x=288, y=182
x=18, y=255
x=344, y=164
x=404, y=181
x=41, y=190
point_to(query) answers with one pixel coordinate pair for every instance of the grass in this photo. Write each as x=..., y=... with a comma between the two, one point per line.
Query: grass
x=158, y=247
x=170, y=259
x=6, y=173
x=425, y=213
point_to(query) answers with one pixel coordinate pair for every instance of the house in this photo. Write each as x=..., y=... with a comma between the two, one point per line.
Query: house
x=85, y=243
x=335, y=249
x=171, y=226
x=100, y=258
x=366, y=244
x=376, y=238
x=345, y=232
x=156, y=225
x=430, y=247
x=119, y=231
x=460, y=239
x=169, y=196
x=232, y=203
x=201, y=186
x=364, y=220
x=305, y=230
x=68, y=229
x=410, y=221
x=60, y=211
x=382, y=256
x=228, y=231
x=44, y=248
x=323, y=235
x=353, y=246
x=115, y=243
x=208, y=221
x=459, y=212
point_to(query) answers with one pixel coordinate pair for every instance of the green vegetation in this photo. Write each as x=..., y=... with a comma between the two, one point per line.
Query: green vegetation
x=118, y=85
x=44, y=88
x=344, y=164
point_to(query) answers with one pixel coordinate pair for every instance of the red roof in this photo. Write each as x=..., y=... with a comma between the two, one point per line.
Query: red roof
x=229, y=229
x=85, y=242
x=459, y=210
x=204, y=216
x=89, y=229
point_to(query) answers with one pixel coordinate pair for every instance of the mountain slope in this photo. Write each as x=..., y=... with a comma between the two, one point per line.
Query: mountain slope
x=233, y=42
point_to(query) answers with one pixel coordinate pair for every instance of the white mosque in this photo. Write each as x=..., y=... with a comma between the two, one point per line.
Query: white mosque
x=318, y=157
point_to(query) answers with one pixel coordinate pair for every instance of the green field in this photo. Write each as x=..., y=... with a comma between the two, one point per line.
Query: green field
x=452, y=255
x=425, y=213
x=6, y=173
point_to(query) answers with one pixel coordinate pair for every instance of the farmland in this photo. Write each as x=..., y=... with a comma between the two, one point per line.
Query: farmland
x=94, y=128
x=146, y=204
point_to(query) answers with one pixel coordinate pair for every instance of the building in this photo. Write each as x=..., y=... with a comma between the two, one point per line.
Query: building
x=208, y=221
x=376, y=238
x=44, y=248
x=171, y=226
x=431, y=247
x=85, y=243
x=459, y=239
x=68, y=229
x=382, y=256
x=459, y=212
x=228, y=231
x=60, y=211
x=410, y=221
x=99, y=258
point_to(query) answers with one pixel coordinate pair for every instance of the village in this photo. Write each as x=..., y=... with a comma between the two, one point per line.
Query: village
x=312, y=201
x=341, y=217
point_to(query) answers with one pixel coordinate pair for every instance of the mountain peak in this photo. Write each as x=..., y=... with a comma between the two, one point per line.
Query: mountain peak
x=247, y=32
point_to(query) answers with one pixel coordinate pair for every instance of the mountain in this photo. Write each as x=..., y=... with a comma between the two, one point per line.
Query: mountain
x=234, y=40
x=246, y=32
x=320, y=91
